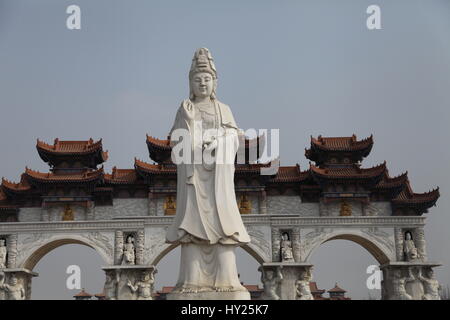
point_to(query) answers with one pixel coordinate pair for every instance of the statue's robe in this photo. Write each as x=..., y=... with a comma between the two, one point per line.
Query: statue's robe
x=193, y=190
x=207, y=222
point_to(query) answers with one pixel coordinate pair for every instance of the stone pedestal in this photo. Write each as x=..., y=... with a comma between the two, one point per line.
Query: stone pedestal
x=409, y=281
x=210, y=295
x=119, y=278
x=291, y=272
x=21, y=290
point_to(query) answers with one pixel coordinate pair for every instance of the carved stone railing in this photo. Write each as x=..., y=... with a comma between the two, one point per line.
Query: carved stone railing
x=251, y=219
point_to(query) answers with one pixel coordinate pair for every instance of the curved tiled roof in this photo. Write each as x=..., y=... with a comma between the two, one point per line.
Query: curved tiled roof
x=352, y=172
x=408, y=197
x=154, y=168
x=52, y=177
x=83, y=293
x=121, y=176
x=22, y=186
x=321, y=146
x=69, y=147
x=393, y=182
x=158, y=143
x=341, y=143
x=337, y=289
x=290, y=174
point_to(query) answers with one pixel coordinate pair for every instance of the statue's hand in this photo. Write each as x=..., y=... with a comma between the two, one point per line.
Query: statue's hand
x=188, y=109
x=211, y=146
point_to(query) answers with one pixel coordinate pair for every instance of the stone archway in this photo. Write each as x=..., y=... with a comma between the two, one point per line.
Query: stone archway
x=38, y=253
x=382, y=252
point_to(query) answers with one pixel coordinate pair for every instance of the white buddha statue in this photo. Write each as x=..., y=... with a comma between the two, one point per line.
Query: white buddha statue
x=207, y=223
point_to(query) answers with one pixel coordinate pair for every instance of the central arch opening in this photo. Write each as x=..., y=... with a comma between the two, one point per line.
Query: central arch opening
x=59, y=261
x=341, y=266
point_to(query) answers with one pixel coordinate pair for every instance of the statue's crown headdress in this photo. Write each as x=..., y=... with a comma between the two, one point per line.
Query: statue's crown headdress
x=202, y=62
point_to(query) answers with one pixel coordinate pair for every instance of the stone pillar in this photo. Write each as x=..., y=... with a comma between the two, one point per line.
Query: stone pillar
x=281, y=280
x=45, y=214
x=90, y=211
x=323, y=209
x=16, y=283
x=129, y=282
x=152, y=204
x=419, y=240
x=409, y=281
x=140, y=242
x=296, y=245
x=399, y=236
x=263, y=202
x=12, y=250
x=118, y=247
x=276, y=238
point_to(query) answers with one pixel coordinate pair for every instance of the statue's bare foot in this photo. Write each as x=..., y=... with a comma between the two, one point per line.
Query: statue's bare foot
x=224, y=289
x=188, y=290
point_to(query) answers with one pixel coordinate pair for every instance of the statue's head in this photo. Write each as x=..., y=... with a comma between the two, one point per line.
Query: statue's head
x=408, y=235
x=145, y=276
x=429, y=273
x=285, y=236
x=13, y=280
x=2, y=242
x=269, y=274
x=109, y=275
x=130, y=239
x=203, y=75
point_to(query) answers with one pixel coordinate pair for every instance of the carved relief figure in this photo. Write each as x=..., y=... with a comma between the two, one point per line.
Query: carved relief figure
x=245, y=205
x=207, y=223
x=3, y=253
x=409, y=248
x=170, y=206
x=68, y=214
x=129, y=252
x=286, y=248
x=303, y=291
x=111, y=282
x=14, y=290
x=399, y=289
x=144, y=287
x=430, y=285
x=271, y=282
x=346, y=209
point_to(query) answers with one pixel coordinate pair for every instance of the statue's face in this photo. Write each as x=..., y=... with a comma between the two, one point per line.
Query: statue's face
x=2, y=243
x=13, y=281
x=129, y=239
x=408, y=236
x=269, y=274
x=430, y=273
x=202, y=84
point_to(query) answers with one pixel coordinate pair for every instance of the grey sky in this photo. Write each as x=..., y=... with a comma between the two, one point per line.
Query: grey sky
x=306, y=67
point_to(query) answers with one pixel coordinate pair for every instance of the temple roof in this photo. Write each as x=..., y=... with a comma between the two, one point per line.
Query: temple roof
x=148, y=168
x=50, y=177
x=22, y=186
x=352, y=172
x=290, y=174
x=72, y=149
x=82, y=293
x=418, y=201
x=337, y=289
x=323, y=148
x=314, y=289
x=121, y=176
